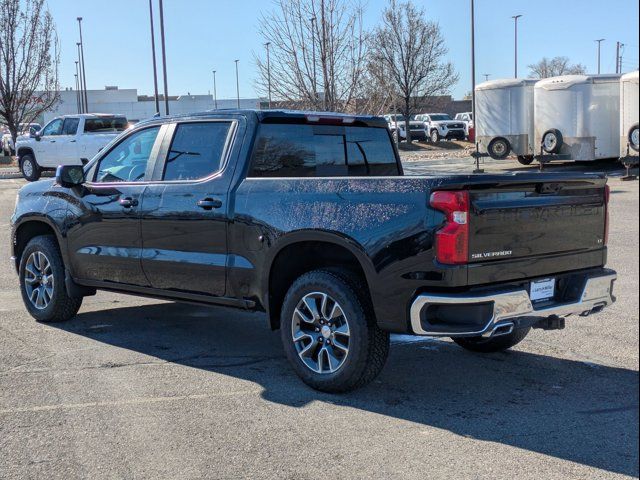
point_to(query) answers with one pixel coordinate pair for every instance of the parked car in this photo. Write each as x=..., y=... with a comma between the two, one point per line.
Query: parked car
x=8, y=147
x=467, y=119
x=308, y=217
x=440, y=125
x=67, y=140
x=398, y=126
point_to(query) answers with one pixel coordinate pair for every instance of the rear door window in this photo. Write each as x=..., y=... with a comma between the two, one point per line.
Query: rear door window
x=289, y=150
x=196, y=151
x=70, y=126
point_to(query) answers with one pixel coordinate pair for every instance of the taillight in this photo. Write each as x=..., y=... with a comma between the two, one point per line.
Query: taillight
x=452, y=240
x=607, y=197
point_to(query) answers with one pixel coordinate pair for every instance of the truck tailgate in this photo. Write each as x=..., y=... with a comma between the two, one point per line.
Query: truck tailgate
x=537, y=219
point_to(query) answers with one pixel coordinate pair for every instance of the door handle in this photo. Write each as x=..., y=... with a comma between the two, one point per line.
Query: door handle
x=72, y=141
x=209, y=203
x=128, y=202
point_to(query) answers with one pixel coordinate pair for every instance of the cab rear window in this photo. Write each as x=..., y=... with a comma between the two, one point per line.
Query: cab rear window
x=105, y=124
x=292, y=150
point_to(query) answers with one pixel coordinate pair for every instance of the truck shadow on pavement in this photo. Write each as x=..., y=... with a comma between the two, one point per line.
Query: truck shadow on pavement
x=576, y=411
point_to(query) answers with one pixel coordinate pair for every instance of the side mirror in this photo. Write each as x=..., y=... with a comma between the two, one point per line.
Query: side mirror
x=70, y=175
x=35, y=134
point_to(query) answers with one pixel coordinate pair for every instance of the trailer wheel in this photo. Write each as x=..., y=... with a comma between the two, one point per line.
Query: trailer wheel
x=633, y=137
x=499, y=148
x=525, y=159
x=552, y=141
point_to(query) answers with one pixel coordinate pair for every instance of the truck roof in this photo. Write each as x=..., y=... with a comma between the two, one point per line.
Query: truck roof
x=286, y=116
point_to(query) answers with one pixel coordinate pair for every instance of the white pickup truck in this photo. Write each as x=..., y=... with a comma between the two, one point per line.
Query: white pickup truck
x=67, y=140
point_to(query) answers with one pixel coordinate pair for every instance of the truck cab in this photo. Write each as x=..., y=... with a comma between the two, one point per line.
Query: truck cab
x=67, y=140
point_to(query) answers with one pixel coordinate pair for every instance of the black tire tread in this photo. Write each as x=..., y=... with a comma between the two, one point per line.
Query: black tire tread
x=497, y=344
x=64, y=307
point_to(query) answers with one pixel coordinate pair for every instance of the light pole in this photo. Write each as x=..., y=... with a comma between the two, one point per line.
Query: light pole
x=486, y=76
x=473, y=86
x=599, y=41
x=84, y=71
x=515, y=21
x=153, y=54
x=164, y=59
x=77, y=91
x=267, y=45
x=237, y=83
x=82, y=95
x=215, y=94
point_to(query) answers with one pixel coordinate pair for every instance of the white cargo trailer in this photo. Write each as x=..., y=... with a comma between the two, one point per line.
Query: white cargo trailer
x=577, y=117
x=629, y=115
x=504, y=118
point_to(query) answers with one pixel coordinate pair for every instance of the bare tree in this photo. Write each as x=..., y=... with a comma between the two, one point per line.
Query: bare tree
x=28, y=62
x=316, y=55
x=412, y=51
x=546, y=68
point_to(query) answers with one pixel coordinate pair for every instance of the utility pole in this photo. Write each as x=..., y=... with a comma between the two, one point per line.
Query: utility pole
x=164, y=60
x=82, y=96
x=84, y=71
x=153, y=54
x=599, y=41
x=237, y=84
x=268, y=72
x=515, y=18
x=215, y=94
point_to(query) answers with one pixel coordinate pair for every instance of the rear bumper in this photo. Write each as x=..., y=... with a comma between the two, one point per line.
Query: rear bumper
x=502, y=309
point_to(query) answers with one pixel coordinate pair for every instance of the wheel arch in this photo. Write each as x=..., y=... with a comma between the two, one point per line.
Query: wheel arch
x=29, y=228
x=22, y=151
x=302, y=252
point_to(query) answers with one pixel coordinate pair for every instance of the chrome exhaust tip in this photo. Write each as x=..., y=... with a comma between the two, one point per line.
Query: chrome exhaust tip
x=498, y=330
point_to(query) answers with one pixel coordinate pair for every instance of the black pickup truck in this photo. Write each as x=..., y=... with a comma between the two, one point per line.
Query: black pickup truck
x=308, y=217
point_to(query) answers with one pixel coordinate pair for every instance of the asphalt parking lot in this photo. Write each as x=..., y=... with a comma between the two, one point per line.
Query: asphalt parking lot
x=137, y=388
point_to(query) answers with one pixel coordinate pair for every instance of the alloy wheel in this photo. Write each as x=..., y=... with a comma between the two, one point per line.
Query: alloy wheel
x=27, y=168
x=38, y=280
x=320, y=333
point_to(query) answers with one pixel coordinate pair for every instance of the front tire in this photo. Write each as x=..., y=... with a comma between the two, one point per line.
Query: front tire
x=329, y=332
x=42, y=283
x=497, y=344
x=29, y=167
x=435, y=136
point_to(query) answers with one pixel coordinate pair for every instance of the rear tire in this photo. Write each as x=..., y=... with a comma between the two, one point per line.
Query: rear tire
x=30, y=169
x=329, y=332
x=497, y=344
x=525, y=159
x=499, y=148
x=42, y=283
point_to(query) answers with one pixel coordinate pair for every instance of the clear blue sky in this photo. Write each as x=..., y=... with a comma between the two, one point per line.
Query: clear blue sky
x=206, y=34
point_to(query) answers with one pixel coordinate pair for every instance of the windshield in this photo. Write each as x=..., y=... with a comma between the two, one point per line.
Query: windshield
x=440, y=118
x=397, y=118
